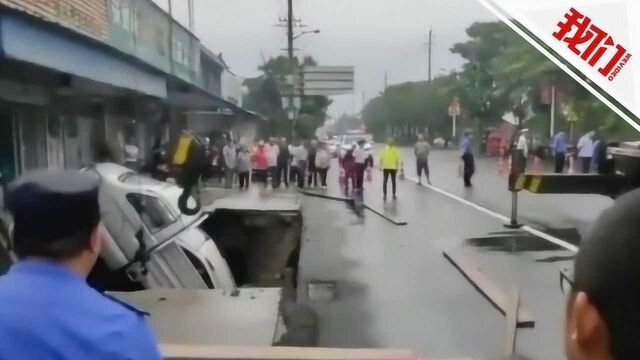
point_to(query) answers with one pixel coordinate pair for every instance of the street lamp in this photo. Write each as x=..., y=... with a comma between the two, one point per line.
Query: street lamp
x=307, y=32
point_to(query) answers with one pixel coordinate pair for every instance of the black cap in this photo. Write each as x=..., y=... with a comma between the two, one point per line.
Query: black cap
x=52, y=205
x=607, y=268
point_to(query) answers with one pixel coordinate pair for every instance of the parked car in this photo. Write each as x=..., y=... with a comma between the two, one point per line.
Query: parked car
x=439, y=142
x=220, y=247
x=332, y=146
x=349, y=141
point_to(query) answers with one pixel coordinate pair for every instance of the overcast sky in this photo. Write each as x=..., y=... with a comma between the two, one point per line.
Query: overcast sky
x=373, y=35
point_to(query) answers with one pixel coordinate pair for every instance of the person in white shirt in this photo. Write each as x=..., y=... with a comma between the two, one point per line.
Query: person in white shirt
x=360, y=157
x=293, y=170
x=229, y=154
x=585, y=151
x=523, y=146
x=323, y=162
x=273, y=150
x=300, y=156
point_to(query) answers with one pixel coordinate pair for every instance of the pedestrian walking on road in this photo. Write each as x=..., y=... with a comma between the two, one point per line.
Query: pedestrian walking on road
x=559, y=151
x=523, y=150
x=273, y=150
x=311, y=164
x=421, y=149
x=360, y=157
x=468, y=161
x=585, y=151
x=300, y=157
x=323, y=162
x=47, y=309
x=349, y=168
x=293, y=168
x=389, y=163
x=260, y=162
x=284, y=159
x=243, y=165
x=600, y=154
x=229, y=154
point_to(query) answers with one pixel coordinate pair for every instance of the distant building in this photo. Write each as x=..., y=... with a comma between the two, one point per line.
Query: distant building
x=78, y=73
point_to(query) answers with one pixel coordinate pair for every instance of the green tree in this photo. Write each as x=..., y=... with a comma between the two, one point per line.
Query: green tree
x=265, y=96
x=407, y=109
x=347, y=122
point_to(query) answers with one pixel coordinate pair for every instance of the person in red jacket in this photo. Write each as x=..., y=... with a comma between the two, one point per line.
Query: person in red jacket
x=349, y=166
x=260, y=163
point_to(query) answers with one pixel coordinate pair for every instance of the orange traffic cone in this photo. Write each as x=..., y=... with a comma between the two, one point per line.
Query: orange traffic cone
x=572, y=169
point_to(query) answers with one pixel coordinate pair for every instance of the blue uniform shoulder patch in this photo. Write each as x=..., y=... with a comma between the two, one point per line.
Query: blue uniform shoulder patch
x=126, y=305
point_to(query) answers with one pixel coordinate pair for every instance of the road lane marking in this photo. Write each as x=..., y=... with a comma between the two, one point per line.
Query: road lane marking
x=553, y=239
x=499, y=216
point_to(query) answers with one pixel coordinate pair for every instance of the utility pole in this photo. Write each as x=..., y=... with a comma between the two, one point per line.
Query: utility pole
x=290, y=31
x=291, y=109
x=552, y=127
x=192, y=26
x=429, y=46
x=385, y=81
x=171, y=66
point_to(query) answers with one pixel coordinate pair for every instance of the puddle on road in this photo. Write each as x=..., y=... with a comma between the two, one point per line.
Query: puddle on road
x=570, y=235
x=513, y=242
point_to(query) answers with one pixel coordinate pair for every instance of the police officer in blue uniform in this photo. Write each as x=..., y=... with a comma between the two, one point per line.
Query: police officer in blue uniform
x=47, y=310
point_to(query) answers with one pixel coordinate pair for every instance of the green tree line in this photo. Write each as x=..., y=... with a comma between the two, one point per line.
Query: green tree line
x=502, y=73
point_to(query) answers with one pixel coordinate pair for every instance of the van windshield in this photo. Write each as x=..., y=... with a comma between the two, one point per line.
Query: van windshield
x=153, y=212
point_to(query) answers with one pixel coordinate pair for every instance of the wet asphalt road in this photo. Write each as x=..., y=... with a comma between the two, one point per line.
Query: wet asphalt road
x=566, y=216
x=396, y=290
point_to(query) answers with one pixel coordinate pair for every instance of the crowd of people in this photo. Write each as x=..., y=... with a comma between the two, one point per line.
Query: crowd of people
x=591, y=149
x=306, y=164
x=272, y=162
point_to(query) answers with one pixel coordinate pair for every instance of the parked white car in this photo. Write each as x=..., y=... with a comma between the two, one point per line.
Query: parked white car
x=149, y=241
x=349, y=141
x=156, y=246
x=332, y=146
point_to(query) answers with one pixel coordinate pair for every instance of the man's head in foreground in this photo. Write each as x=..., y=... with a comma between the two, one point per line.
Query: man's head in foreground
x=603, y=310
x=56, y=218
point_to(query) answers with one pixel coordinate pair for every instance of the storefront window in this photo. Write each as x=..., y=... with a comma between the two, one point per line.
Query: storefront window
x=33, y=138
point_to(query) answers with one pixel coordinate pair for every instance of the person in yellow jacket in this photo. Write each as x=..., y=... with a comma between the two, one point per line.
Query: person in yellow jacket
x=389, y=163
